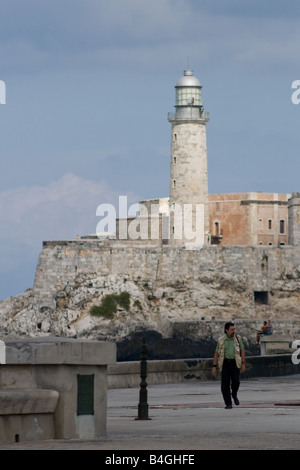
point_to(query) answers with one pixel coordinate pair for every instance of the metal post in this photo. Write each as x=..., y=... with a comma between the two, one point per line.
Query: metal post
x=143, y=405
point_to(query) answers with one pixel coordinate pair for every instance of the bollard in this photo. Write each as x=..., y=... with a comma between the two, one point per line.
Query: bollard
x=143, y=405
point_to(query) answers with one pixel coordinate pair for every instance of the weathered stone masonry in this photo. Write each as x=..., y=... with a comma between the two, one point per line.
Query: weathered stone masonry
x=185, y=294
x=244, y=269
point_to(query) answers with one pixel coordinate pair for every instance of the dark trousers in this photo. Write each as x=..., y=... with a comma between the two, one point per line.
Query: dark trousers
x=230, y=376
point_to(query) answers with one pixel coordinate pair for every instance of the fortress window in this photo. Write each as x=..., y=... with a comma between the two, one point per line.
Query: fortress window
x=174, y=183
x=174, y=160
x=282, y=226
x=270, y=224
x=175, y=136
x=261, y=297
x=217, y=229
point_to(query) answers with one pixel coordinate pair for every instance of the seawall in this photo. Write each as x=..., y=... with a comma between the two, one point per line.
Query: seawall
x=127, y=374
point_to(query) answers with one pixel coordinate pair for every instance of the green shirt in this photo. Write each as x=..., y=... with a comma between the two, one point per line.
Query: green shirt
x=229, y=347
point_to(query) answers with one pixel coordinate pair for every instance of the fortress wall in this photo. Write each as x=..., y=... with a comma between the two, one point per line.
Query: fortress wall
x=61, y=262
x=237, y=268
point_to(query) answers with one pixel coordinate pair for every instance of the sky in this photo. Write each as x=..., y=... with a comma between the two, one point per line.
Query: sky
x=88, y=87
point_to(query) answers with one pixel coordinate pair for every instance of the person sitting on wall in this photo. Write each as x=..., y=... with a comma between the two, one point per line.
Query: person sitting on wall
x=262, y=331
x=269, y=328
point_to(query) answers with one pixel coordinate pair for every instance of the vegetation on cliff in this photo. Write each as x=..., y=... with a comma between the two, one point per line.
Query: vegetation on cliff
x=110, y=303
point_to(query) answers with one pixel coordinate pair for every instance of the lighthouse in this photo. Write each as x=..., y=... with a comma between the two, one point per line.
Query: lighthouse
x=189, y=219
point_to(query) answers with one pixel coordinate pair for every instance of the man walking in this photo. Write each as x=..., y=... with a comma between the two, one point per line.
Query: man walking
x=230, y=358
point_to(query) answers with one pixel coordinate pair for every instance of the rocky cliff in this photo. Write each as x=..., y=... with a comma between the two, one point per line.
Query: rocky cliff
x=179, y=299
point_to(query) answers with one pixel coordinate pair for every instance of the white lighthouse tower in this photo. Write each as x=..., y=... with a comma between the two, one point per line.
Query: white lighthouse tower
x=189, y=220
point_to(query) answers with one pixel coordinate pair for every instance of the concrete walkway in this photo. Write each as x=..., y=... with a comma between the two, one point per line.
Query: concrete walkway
x=191, y=416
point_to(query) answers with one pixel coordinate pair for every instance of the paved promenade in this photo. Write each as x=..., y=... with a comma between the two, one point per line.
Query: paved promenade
x=191, y=416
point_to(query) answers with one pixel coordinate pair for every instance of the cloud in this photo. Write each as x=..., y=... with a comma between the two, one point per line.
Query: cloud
x=251, y=8
x=60, y=210
x=58, y=33
x=39, y=35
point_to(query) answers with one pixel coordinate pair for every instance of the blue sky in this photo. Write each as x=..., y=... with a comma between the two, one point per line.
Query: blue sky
x=89, y=84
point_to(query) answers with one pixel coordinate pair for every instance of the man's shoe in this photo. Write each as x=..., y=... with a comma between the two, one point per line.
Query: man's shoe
x=236, y=401
x=228, y=407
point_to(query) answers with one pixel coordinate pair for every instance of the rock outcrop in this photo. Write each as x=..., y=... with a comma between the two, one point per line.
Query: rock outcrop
x=178, y=299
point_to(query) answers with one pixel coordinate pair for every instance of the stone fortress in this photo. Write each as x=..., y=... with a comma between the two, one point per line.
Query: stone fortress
x=178, y=270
